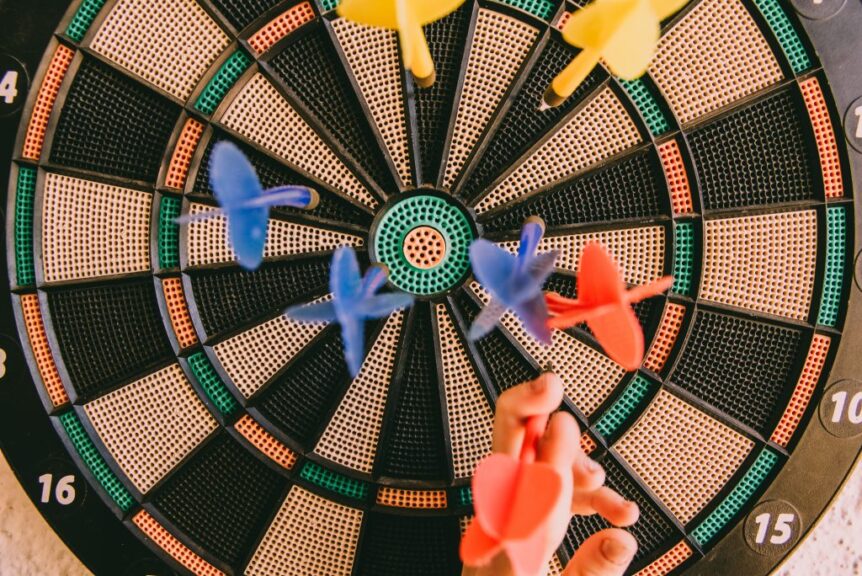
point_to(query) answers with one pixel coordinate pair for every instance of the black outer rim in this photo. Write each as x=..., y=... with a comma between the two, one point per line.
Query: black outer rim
x=117, y=551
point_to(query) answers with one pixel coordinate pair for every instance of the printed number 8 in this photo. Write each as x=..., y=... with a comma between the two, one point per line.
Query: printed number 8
x=2, y=363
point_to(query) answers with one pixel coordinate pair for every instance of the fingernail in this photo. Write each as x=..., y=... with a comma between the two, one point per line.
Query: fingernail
x=616, y=552
x=539, y=385
x=591, y=465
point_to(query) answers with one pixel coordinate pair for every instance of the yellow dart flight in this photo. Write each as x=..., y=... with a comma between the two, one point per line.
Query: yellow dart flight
x=408, y=17
x=623, y=33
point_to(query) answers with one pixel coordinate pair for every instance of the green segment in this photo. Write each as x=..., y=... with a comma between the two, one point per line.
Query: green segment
x=90, y=455
x=222, y=82
x=328, y=5
x=783, y=29
x=169, y=232
x=465, y=496
x=334, y=482
x=683, y=265
x=544, y=9
x=435, y=213
x=737, y=499
x=836, y=248
x=24, y=197
x=647, y=104
x=83, y=19
x=624, y=407
x=212, y=385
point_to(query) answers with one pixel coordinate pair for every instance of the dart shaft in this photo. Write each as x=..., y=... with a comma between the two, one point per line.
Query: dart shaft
x=567, y=81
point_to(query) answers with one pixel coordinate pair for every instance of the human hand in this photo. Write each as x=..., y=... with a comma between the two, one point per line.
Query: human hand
x=606, y=553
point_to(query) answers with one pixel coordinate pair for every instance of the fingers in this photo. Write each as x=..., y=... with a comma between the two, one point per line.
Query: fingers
x=559, y=446
x=540, y=396
x=607, y=553
x=607, y=503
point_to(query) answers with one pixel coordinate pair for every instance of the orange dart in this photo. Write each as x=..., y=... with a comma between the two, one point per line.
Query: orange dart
x=605, y=305
x=513, y=501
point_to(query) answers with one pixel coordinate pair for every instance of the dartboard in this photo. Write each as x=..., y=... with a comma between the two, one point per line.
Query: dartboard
x=166, y=416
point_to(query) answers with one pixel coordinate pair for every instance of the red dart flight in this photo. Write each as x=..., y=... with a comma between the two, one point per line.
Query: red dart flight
x=605, y=305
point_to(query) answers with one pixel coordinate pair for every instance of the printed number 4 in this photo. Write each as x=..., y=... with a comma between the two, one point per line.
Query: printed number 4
x=64, y=492
x=782, y=531
x=9, y=86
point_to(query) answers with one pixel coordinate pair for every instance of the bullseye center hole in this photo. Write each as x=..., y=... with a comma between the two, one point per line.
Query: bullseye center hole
x=424, y=247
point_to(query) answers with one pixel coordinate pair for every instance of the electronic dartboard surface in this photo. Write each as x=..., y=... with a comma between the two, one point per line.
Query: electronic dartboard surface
x=167, y=417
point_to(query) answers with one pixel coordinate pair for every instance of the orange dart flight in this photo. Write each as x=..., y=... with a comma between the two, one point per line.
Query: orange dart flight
x=605, y=305
x=513, y=501
x=408, y=17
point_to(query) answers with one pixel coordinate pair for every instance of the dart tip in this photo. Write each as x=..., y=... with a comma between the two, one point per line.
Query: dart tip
x=536, y=220
x=550, y=100
x=427, y=81
x=314, y=200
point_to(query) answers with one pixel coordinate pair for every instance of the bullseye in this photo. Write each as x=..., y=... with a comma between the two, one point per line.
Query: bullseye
x=425, y=247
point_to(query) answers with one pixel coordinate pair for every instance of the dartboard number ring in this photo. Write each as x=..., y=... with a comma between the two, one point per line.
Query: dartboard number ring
x=841, y=409
x=58, y=486
x=773, y=528
x=818, y=9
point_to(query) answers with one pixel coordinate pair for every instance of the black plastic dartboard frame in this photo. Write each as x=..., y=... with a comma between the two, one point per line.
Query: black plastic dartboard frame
x=90, y=527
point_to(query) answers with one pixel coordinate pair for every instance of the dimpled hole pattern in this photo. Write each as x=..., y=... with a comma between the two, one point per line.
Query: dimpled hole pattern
x=684, y=456
x=25, y=195
x=253, y=357
x=624, y=406
x=544, y=9
x=647, y=104
x=438, y=214
x=351, y=437
x=588, y=375
x=762, y=263
x=91, y=229
x=152, y=40
x=260, y=114
x=372, y=54
x=94, y=462
x=668, y=561
x=711, y=58
x=322, y=538
x=41, y=351
x=212, y=385
x=824, y=134
x=173, y=547
x=169, y=232
x=683, y=258
x=836, y=250
x=804, y=390
x=417, y=499
x=217, y=88
x=45, y=99
x=265, y=443
x=150, y=425
x=665, y=340
x=731, y=505
x=469, y=413
x=208, y=242
x=241, y=13
x=178, y=169
x=334, y=482
x=598, y=131
x=677, y=178
x=787, y=36
x=178, y=311
x=500, y=45
x=83, y=19
x=281, y=26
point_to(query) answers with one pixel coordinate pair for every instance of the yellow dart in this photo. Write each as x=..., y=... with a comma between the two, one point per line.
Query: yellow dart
x=408, y=17
x=623, y=33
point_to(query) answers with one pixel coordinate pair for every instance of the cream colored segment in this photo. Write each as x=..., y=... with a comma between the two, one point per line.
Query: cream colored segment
x=639, y=252
x=350, y=438
x=208, y=241
x=91, y=229
x=588, y=375
x=372, y=54
x=685, y=456
x=169, y=43
x=500, y=45
x=253, y=357
x=260, y=114
x=762, y=263
x=309, y=536
x=470, y=416
x=600, y=130
x=150, y=425
x=713, y=57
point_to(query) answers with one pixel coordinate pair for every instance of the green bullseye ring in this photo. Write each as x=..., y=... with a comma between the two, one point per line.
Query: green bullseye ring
x=438, y=218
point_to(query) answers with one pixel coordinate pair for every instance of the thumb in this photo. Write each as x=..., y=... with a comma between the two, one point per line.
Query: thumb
x=607, y=553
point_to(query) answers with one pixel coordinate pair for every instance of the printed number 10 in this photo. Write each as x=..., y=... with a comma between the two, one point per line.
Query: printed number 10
x=854, y=409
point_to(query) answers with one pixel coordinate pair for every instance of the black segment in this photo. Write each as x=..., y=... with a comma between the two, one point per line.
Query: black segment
x=627, y=189
x=223, y=498
x=505, y=365
x=113, y=125
x=272, y=173
x=446, y=39
x=108, y=334
x=229, y=298
x=652, y=530
x=415, y=448
x=298, y=401
x=525, y=124
x=310, y=67
x=760, y=154
x=742, y=367
x=416, y=545
x=241, y=13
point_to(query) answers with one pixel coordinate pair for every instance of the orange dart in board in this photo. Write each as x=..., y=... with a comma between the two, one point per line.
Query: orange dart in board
x=605, y=304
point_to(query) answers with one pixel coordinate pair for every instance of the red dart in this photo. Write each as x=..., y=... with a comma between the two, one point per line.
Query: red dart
x=605, y=305
x=513, y=501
